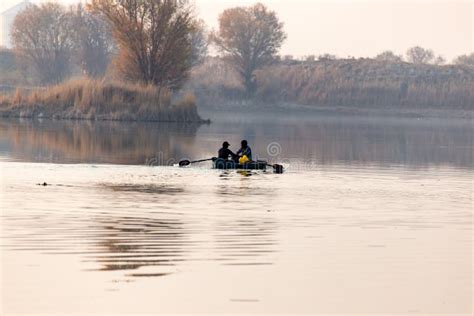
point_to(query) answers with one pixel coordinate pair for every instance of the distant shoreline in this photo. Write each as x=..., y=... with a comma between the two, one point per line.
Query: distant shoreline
x=299, y=109
x=104, y=118
x=232, y=109
x=71, y=115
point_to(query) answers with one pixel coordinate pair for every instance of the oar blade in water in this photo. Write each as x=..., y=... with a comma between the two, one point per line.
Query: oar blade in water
x=278, y=169
x=184, y=163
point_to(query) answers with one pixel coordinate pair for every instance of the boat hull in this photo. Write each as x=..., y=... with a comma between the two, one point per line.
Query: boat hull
x=228, y=164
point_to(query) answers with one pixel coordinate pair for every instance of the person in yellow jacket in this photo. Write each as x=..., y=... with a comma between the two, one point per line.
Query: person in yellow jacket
x=244, y=153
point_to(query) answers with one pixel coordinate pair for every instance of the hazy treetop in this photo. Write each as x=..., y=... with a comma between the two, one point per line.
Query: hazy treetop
x=359, y=28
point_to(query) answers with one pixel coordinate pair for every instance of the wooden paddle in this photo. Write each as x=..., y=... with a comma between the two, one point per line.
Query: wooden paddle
x=185, y=163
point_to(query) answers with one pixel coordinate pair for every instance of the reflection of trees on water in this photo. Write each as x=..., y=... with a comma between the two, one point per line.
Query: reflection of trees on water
x=411, y=145
x=129, y=243
x=91, y=142
x=114, y=242
x=325, y=141
x=148, y=242
x=238, y=238
x=378, y=141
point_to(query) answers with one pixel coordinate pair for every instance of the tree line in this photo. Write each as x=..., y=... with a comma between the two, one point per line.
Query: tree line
x=153, y=42
x=419, y=55
x=49, y=40
x=149, y=41
x=157, y=42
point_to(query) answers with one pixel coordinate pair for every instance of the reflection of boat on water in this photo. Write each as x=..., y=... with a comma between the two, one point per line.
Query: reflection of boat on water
x=229, y=164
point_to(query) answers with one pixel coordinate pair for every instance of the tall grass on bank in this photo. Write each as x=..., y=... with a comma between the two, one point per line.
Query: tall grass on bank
x=351, y=83
x=369, y=83
x=95, y=99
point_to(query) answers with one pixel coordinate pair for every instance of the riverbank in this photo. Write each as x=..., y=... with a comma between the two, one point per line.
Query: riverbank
x=343, y=86
x=87, y=99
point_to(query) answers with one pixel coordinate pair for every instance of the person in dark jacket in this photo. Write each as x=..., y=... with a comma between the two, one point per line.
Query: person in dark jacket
x=245, y=150
x=225, y=152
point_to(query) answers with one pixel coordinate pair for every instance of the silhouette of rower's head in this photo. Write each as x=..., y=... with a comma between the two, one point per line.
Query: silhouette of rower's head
x=244, y=144
x=225, y=145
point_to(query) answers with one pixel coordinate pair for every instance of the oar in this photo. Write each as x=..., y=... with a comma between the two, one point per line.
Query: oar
x=276, y=167
x=185, y=163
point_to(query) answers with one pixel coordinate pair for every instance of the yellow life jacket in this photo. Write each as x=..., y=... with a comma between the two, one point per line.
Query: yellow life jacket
x=243, y=159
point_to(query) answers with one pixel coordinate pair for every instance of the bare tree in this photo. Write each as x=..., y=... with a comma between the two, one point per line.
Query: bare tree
x=419, y=55
x=43, y=37
x=389, y=56
x=249, y=37
x=154, y=38
x=94, y=42
x=199, y=43
x=465, y=60
x=439, y=60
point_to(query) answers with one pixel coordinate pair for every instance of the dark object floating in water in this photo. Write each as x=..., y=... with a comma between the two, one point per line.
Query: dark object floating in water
x=43, y=184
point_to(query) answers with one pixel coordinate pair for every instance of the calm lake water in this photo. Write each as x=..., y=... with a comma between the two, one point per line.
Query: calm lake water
x=371, y=216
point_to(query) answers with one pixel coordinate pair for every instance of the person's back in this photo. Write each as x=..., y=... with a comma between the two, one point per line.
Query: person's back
x=245, y=150
x=225, y=152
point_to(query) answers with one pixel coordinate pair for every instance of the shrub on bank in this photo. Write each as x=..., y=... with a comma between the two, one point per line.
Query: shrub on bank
x=95, y=99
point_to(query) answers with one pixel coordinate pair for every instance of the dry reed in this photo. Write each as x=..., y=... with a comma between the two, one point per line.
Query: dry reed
x=95, y=99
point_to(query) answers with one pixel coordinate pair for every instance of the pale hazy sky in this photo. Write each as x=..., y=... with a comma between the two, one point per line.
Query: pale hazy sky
x=360, y=28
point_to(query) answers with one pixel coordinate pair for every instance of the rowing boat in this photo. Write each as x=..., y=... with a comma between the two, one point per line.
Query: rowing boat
x=229, y=164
